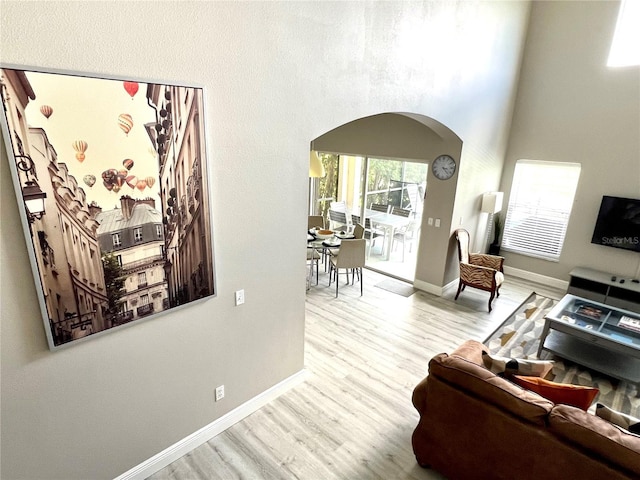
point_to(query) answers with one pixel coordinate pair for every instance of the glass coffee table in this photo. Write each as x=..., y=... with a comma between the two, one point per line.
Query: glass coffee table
x=598, y=336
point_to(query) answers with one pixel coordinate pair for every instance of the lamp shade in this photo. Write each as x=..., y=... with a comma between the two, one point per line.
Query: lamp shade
x=316, y=169
x=492, y=202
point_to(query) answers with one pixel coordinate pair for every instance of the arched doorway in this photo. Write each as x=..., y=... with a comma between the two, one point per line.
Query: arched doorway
x=382, y=162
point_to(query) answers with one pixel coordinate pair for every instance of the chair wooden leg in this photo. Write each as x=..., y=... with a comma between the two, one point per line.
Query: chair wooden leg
x=338, y=282
x=491, y=300
x=361, y=282
x=460, y=285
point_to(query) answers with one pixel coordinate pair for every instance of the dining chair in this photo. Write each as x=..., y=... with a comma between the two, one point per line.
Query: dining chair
x=337, y=220
x=338, y=206
x=379, y=207
x=370, y=233
x=351, y=256
x=478, y=270
x=406, y=234
x=313, y=257
x=402, y=212
x=316, y=221
x=358, y=231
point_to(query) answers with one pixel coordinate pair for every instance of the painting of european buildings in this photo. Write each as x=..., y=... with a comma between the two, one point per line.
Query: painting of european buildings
x=112, y=182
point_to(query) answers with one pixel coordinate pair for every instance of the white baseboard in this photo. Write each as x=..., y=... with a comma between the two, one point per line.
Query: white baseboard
x=516, y=272
x=536, y=277
x=206, y=433
x=427, y=287
x=435, y=289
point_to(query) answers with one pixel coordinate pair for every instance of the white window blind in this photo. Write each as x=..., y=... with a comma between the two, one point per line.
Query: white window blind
x=540, y=203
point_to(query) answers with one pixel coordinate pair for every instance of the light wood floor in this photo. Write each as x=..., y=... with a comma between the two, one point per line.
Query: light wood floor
x=352, y=417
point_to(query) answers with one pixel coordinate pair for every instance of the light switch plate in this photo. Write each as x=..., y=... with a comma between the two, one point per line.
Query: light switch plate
x=239, y=297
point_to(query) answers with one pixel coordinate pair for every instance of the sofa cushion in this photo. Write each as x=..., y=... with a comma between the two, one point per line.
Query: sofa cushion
x=476, y=380
x=618, y=418
x=568, y=394
x=516, y=366
x=597, y=436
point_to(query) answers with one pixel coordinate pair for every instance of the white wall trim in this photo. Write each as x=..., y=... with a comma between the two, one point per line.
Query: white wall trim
x=435, y=289
x=427, y=287
x=206, y=433
x=536, y=277
x=516, y=272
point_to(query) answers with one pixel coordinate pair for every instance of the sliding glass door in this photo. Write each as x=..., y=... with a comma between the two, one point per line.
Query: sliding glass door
x=384, y=195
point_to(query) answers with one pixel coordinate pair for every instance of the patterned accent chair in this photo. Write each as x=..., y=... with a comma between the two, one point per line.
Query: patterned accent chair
x=478, y=270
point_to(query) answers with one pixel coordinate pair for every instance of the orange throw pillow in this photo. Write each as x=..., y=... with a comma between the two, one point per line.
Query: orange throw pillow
x=575, y=395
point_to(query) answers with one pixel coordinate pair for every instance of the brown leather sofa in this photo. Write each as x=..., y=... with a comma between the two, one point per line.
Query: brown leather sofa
x=474, y=424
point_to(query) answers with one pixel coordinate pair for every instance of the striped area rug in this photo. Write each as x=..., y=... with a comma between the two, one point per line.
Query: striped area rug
x=519, y=337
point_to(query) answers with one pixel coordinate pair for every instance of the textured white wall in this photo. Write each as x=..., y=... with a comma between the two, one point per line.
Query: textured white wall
x=277, y=75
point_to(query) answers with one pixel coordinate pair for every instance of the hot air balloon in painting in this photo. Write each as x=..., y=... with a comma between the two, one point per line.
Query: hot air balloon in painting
x=109, y=174
x=141, y=185
x=127, y=163
x=46, y=110
x=80, y=146
x=119, y=180
x=150, y=181
x=125, y=122
x=132, y=181
x=131, y=88
x=89, y=180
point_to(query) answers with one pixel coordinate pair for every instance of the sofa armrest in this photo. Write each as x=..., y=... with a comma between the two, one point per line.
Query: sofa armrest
x=419, y=396
x=470, y=350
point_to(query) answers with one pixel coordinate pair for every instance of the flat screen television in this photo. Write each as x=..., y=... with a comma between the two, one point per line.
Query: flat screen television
x=618, y=223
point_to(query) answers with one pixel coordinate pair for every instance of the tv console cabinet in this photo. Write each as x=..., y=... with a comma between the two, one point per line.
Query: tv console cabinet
x=607, y=288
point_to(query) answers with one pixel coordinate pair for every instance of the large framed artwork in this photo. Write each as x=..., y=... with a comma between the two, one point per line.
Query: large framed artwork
x=112, y=181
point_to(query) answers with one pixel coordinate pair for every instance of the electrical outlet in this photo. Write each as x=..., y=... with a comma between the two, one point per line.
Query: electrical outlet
x=239, y=297
x=437, y=223
x=219, y=393
x=430, y=221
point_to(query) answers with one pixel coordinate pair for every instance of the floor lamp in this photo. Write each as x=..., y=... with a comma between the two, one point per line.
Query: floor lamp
x=316, y=170
x=491, y=204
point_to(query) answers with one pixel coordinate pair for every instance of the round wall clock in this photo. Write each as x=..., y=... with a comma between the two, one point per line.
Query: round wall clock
x=443, y=167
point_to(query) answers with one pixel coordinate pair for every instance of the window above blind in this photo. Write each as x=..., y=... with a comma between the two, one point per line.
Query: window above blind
x=624, y=48
x=540, y=203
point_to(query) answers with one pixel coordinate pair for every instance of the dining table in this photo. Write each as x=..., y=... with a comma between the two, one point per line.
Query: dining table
x=388, y=222
x=322, y=246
